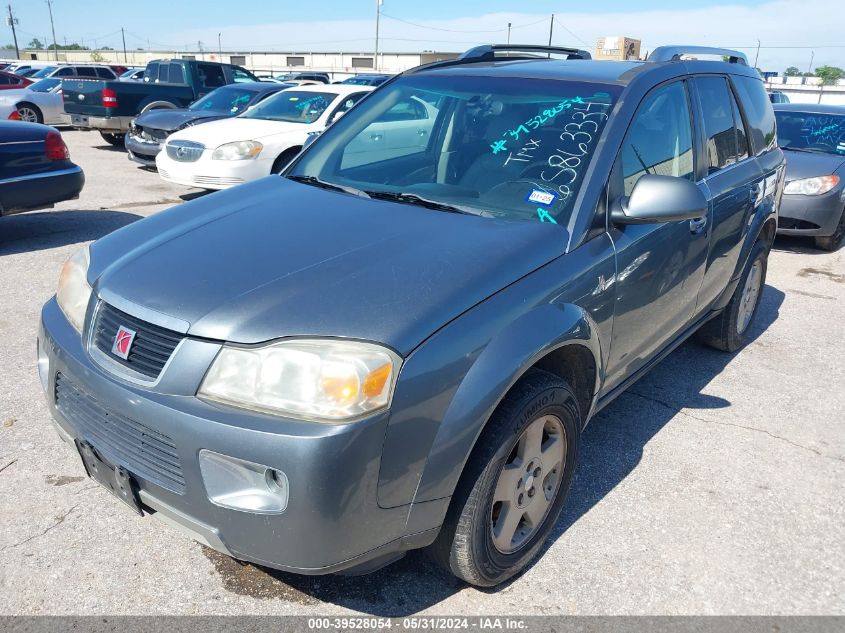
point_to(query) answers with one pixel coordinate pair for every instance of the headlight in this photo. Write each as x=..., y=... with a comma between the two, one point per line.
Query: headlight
x=74, y=292
x=812, y=186
x=239, y=150
x=321, y=380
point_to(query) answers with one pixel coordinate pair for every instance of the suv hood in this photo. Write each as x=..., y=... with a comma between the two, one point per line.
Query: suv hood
x=806, y=165
x=275, y=258
x=216, y=133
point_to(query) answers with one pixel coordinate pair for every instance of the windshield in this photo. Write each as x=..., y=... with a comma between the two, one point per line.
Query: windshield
x=824, y=133
x=45, y=85
x=494, y=146
x=229, y=99
x=44, y=72
x=294, y=106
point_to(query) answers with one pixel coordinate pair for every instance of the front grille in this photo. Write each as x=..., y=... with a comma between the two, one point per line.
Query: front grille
x=793, y=223
x=184, y=151
x=218, y=180
x=151, y=348
x=141, y=450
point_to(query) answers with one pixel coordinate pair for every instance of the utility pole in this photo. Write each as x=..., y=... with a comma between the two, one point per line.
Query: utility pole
x=53, y=28
x=378, y=15
x=123, y=36
x=810, y=67
x=219, y=48
x=509, y=32
x=551, y=28
x=12, y=20
x=757, y=56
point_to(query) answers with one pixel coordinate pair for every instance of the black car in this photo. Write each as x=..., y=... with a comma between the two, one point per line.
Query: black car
x=149, y=130
x=813, y=139
x=35, y=168
x=366, y=80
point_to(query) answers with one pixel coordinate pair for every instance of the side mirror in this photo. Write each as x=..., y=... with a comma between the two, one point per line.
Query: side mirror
x=312, y=136
x=660, y=199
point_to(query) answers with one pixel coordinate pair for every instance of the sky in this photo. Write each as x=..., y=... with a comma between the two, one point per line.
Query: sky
x=789, y=31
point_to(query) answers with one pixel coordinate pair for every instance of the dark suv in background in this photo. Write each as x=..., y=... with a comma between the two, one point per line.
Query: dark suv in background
x=397, y=343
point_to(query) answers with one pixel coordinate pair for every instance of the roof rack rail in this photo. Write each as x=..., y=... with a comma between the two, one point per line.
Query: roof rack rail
x=673, y=53
x=487, y=52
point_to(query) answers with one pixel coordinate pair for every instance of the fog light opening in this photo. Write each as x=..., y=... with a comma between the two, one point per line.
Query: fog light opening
x=241, y=485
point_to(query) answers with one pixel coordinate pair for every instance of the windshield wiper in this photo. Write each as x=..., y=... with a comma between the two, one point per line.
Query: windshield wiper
x=316, y=182
x=412, y=198
x=808, y=150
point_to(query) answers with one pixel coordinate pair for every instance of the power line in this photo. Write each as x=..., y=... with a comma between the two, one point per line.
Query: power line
x=437, y=28
x=563, y=26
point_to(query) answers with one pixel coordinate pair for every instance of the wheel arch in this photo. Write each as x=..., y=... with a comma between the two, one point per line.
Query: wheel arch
x=560, y=339
x=32, y=105
x=157, y=105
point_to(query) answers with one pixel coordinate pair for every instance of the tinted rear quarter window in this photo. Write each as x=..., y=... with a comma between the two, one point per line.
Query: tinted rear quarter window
x=758, y=113
x=84, y=71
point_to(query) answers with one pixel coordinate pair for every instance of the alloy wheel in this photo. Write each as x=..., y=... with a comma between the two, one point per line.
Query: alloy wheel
x=28, y=114
x=528, y=484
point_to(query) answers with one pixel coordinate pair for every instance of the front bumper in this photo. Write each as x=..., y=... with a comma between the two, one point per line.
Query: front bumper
x=212, y=174
x=332, y=521
x=811, y=215
x=142, y=151
x=41, y=190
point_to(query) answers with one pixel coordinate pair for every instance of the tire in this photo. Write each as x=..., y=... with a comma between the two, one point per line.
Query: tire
x=474, y=542
x=30, y=112
x=832, y=243
x=284, y=158
x=727, y=332
x=115, y=139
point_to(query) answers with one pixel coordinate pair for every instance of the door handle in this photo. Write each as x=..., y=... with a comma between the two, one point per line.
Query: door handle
x=697, y=225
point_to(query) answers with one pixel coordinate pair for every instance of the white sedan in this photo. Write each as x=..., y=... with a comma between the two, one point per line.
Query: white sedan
x=40, y=102
x=257, y=143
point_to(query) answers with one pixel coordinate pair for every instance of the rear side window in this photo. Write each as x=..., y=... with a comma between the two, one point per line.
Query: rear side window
x=741, y=134
x=84, y=71
x=211, y=76
x=104, y=73
x=718, y=118
x=67, y=71
x=4, y=80
x=659, y=140
x=758, y=112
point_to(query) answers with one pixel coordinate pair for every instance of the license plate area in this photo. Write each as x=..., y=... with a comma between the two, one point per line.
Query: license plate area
x=79, y=120
x=114, y=478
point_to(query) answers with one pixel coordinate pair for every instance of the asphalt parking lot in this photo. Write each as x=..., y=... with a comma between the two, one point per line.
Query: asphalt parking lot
x=713, y=486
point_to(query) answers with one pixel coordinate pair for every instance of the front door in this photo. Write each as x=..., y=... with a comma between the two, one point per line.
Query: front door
x=659, y=267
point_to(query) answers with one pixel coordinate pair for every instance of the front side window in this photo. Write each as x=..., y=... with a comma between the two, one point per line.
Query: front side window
x=85, y=71
x=240, y=76
x=659, y=139
x=44, y=72
x=67, y=71
x=226, y=99
x=811, y=131
x=292, y=106
x=498, y=147
x=211, y=76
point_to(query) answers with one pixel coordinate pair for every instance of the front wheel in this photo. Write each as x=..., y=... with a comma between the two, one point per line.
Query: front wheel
x=113, y=138
x=514, y=485
x=727, y=332
x=833, y=242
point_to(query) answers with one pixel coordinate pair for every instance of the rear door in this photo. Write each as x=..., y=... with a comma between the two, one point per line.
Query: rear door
x=733, y=177
x=659, y=266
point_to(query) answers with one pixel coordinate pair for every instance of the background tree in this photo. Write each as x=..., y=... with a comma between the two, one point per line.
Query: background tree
x=792, y=71
x=36, y=44
x=829, y=76
x=96, y=56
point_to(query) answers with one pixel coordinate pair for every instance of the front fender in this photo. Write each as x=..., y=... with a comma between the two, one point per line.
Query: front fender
x=496, y=370
x=449, y=386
